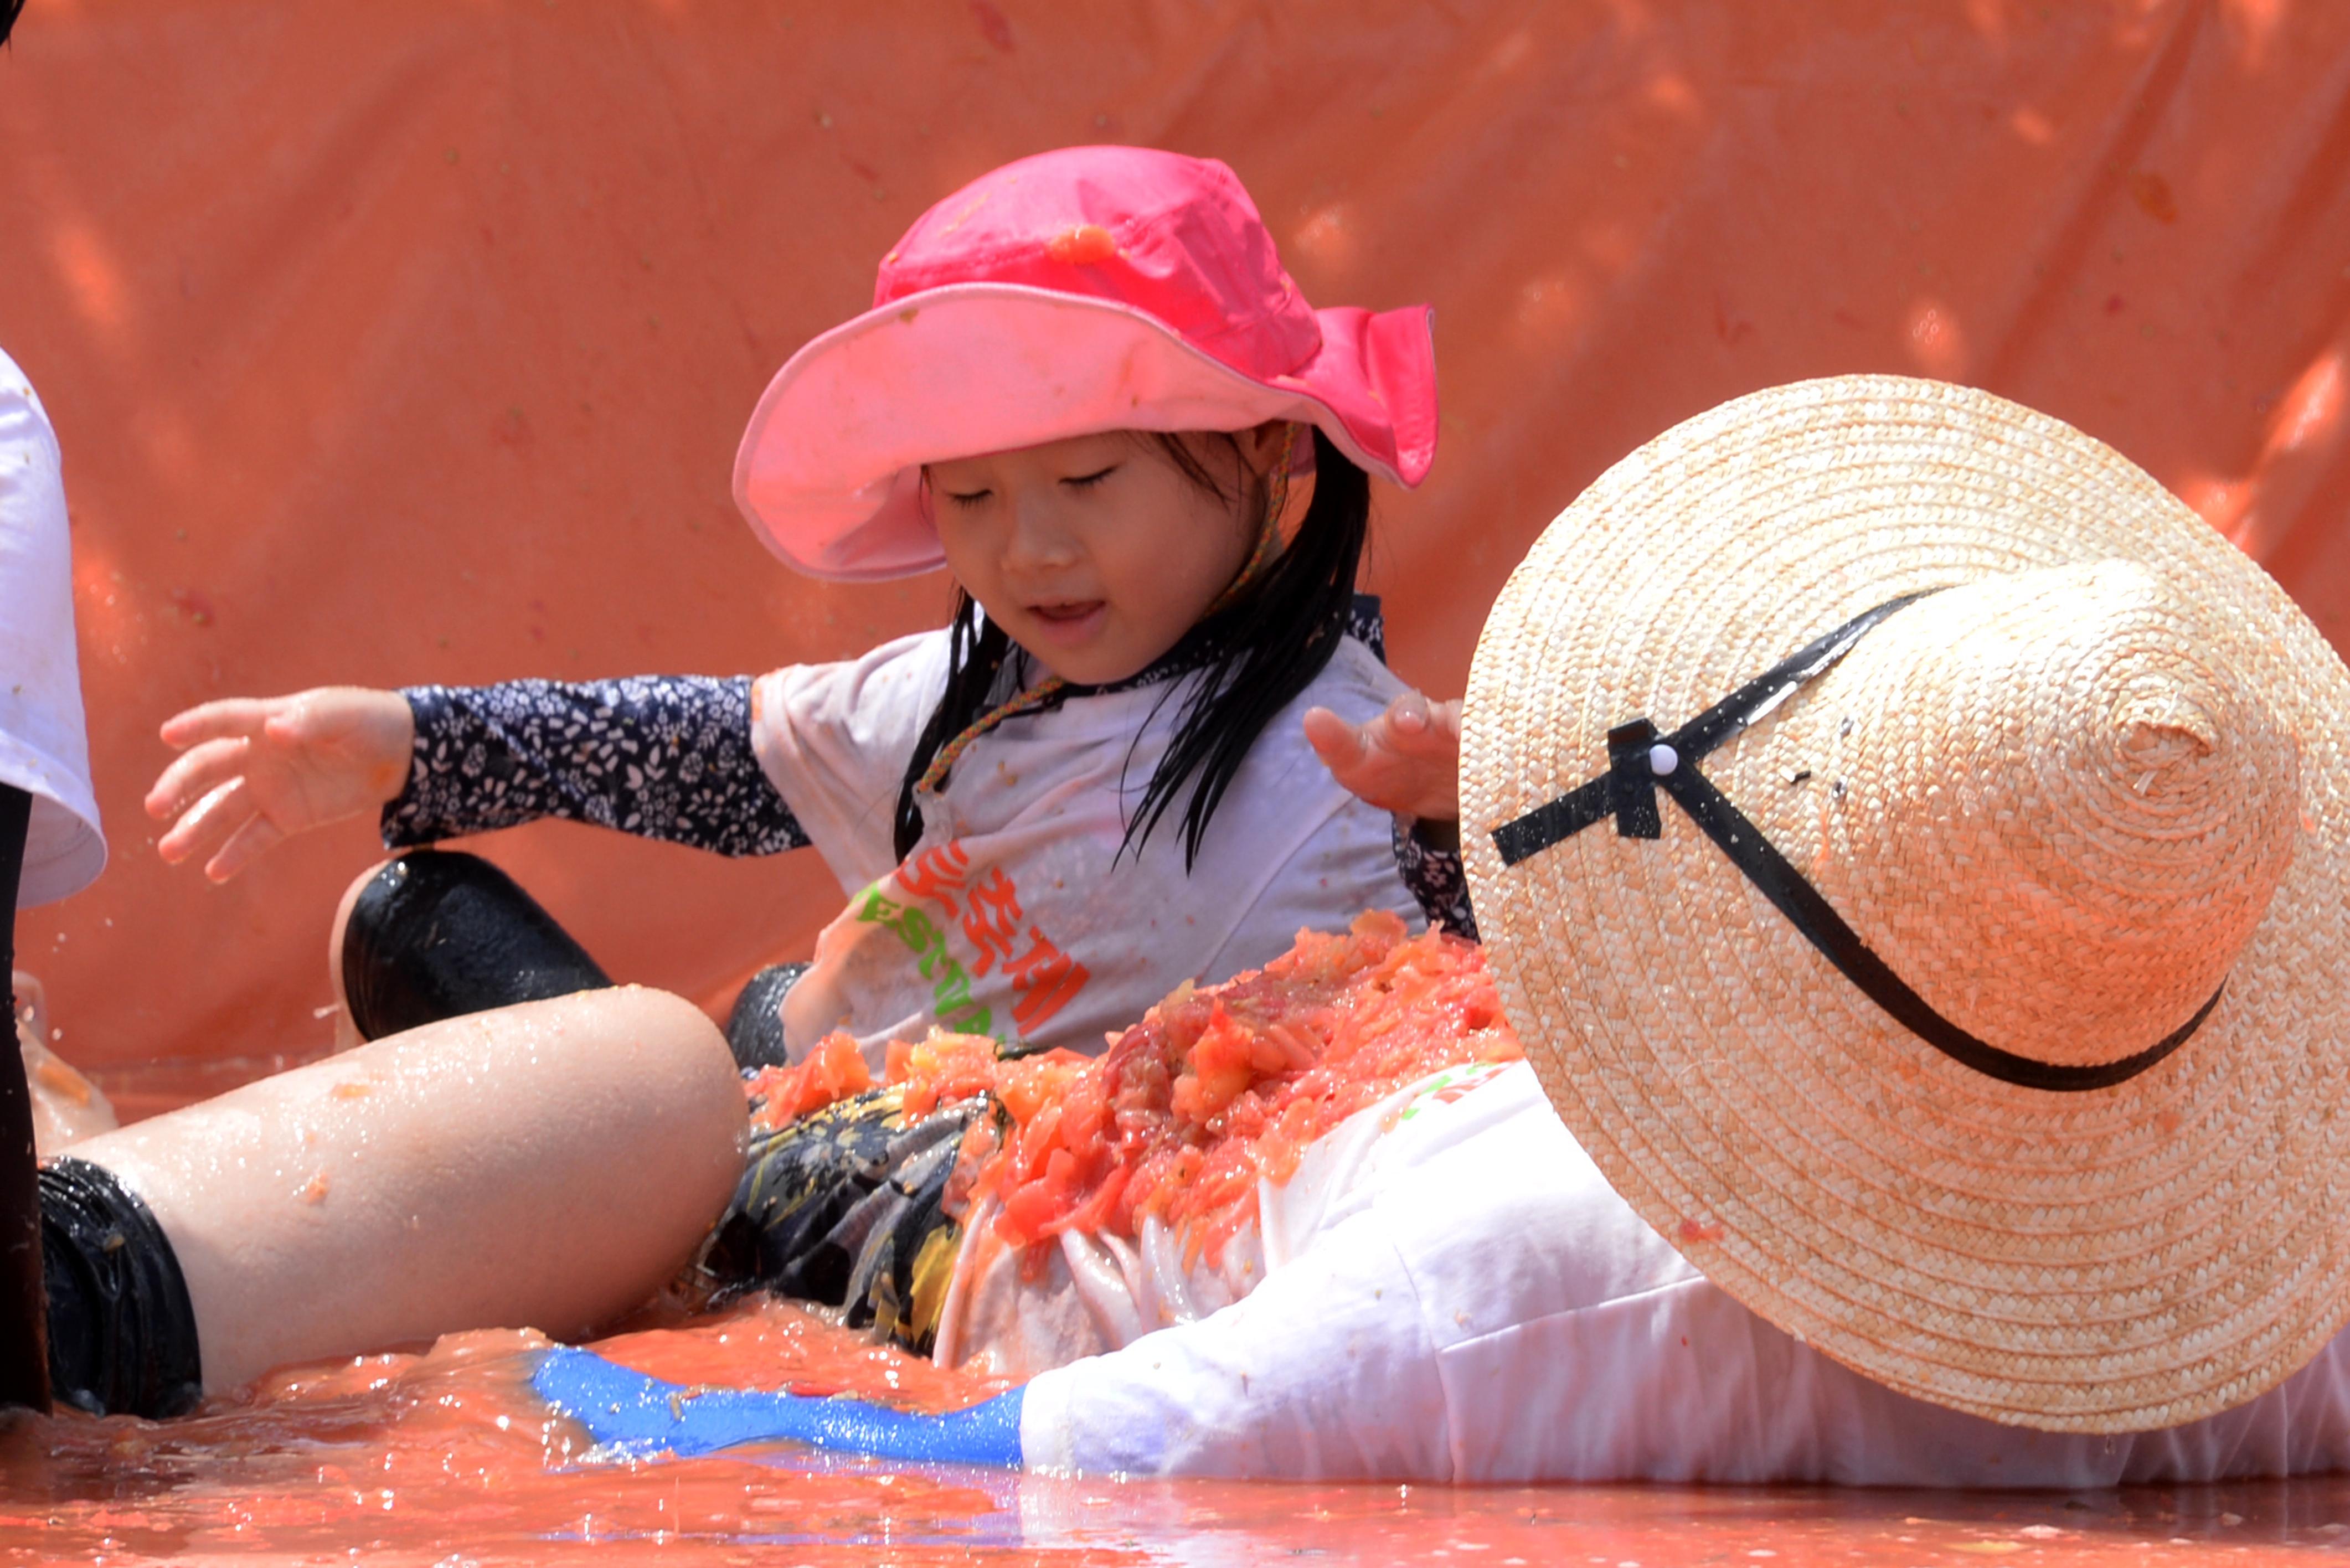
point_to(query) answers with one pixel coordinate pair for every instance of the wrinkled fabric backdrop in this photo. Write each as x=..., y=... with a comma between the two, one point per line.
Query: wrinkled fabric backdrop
x=400, y=344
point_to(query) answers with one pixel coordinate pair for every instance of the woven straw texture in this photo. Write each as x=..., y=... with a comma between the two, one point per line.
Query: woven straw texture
x=2064, y=801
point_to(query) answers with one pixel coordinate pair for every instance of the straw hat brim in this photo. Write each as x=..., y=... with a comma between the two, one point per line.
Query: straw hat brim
x=2116, y=1260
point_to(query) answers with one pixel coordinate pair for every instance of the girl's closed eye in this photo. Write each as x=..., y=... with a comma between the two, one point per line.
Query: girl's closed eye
x=1088, y=481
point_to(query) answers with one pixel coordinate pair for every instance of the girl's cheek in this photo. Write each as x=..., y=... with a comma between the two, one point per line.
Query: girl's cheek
x=964, y=543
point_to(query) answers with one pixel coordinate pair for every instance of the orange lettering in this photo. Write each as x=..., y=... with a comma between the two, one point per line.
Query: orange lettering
x=1046, y=980
x=993, y=921
x=936, y=874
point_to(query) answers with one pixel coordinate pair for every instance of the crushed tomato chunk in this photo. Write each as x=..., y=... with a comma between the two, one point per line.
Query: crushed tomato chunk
x=833, y=1070
x=1218, y=1086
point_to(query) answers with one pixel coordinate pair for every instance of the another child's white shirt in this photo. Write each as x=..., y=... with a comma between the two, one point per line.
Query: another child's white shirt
x=43, y=750
x=1465, y=1299
x=1016, y=915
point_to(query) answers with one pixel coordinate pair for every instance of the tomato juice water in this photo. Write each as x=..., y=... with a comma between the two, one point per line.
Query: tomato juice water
x=446, y=1457
x=443, y=1455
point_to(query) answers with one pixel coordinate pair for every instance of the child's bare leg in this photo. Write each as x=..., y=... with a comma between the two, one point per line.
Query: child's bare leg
x=550, y=1165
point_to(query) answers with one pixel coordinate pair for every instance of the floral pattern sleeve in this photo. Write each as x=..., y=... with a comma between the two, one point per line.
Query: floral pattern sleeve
x=665, y=756
x=1437, y=879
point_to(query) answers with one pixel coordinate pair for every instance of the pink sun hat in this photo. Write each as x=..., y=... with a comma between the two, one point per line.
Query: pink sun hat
x=1087, y=289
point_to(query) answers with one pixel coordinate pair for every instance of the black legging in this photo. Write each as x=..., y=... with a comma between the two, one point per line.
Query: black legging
x=24, y=1305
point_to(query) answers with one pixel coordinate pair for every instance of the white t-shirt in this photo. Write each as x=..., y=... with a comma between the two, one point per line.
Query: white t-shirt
x=1465, y=1299
x=43, y=748
x=1016, y=915
x=1008, y=1316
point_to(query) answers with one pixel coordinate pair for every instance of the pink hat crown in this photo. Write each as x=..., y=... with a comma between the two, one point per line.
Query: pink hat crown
x=1089, y=289
x=1175, y=236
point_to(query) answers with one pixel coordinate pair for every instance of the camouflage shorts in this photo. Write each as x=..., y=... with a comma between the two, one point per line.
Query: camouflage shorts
x=846, y=1207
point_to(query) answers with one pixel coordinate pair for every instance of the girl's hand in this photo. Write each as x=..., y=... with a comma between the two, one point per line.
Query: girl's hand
x=256, y=770
x=1406, y=759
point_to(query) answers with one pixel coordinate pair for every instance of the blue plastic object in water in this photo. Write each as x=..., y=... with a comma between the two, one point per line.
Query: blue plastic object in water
x=639, y=1414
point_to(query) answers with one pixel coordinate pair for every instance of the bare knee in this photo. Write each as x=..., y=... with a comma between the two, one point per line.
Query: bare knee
x=626, y=1018
x=623, y=1057
x=660, y=1047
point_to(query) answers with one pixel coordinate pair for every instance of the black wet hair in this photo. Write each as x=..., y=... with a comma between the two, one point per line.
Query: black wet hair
x=1255, y=654
x=9, y=11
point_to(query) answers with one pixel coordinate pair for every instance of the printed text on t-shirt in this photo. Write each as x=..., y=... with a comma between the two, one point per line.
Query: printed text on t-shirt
x=1043, y=979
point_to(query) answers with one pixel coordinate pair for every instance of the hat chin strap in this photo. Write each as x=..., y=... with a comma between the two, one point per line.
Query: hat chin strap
x=1640, y=764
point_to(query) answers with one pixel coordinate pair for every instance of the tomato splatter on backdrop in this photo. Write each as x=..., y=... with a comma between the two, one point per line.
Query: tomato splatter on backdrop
x=411, y=343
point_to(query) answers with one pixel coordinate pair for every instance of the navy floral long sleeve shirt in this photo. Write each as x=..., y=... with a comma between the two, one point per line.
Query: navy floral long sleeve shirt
x=666, y=757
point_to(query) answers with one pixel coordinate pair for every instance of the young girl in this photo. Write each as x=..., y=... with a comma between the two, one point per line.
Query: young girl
x=1088, y=389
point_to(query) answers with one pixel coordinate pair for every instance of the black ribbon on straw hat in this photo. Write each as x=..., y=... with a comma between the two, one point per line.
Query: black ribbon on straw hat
x=1640, y=763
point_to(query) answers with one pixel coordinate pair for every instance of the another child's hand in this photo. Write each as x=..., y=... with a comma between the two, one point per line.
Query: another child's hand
x=1405, y=760
x=258, y=770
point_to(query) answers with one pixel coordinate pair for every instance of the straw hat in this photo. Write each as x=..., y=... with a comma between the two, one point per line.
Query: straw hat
x=1977, y=1011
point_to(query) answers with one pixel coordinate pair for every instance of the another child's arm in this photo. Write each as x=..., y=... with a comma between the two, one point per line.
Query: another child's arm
x=664, y=757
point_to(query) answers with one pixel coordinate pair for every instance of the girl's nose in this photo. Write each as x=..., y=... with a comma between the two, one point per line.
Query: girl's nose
x=1039, y=540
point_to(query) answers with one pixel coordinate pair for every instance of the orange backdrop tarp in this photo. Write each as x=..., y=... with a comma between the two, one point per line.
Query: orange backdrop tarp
x=410, y=343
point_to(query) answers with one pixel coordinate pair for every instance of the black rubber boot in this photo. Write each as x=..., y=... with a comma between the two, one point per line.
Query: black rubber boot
x=437, y=935
x=755, y=1028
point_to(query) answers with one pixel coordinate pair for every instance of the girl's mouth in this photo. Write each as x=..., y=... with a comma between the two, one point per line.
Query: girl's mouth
x=1072, y=622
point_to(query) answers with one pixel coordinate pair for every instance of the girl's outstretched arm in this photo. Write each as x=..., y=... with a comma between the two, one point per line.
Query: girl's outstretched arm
x=1406, y=759
x=665, y=757
x=660, y=756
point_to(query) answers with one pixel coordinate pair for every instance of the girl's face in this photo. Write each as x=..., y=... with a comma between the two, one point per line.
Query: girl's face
x=1097, y=554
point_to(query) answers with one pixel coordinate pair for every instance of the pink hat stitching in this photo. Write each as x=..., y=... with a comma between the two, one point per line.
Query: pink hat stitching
x=1087, y=289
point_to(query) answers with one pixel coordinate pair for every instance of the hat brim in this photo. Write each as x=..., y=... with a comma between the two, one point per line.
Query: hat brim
x=2117, y=1260
x=829, y=470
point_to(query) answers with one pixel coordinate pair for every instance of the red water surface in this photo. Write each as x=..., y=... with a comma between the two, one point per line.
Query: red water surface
x=446, y=1458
